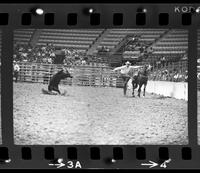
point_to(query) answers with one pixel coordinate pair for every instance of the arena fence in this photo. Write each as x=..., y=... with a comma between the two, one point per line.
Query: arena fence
x=82, y=75
x=99, y=76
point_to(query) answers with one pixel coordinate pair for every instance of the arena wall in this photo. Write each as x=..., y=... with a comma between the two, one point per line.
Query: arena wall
x=178, y=90
x=98, y=76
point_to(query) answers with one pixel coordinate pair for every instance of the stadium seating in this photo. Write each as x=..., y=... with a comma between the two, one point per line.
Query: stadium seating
x=176, y=41
x=69, y=38
x=114, y=36
x=173, y=45
x=23, y=36
x=165, y=42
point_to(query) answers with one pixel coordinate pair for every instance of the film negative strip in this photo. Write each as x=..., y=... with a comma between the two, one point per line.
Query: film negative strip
x=100, y=86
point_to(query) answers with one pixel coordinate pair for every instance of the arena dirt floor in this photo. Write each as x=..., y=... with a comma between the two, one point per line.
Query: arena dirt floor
x=94, y=115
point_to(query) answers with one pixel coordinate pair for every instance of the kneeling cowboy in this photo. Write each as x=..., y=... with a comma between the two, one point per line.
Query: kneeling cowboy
x=125, y=70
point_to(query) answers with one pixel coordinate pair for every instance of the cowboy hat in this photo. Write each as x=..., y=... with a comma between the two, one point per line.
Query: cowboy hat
x=127, y=62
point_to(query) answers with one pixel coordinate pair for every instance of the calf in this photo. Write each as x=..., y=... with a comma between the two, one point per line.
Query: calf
x=55, y=80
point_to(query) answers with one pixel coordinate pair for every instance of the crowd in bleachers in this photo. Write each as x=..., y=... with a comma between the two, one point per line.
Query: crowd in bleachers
x=73, y=57
x=163, y=60
x=76, y=57
x=166, y=72
x=39, y=54
x=47, y=54
x=169, y=75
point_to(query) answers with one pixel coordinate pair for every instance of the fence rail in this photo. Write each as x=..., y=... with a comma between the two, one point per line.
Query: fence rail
x=85, y=75
x=82, y=75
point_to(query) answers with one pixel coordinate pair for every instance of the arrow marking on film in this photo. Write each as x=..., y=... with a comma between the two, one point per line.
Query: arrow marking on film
x=151, y=164
x=57, y=165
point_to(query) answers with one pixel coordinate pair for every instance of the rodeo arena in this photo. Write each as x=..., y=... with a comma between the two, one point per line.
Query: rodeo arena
x=100, y=87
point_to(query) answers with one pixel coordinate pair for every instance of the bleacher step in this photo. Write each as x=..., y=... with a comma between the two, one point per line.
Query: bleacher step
x=93, y=48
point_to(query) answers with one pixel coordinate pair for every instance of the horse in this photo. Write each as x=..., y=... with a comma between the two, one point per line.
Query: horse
x=140, y=79
x=55, y=80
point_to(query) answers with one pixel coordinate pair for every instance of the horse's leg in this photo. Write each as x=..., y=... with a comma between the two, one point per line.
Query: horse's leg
x=133, y=85
x=139, y=90
x=145, y=84
x=144, y=89
x=136, y=85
